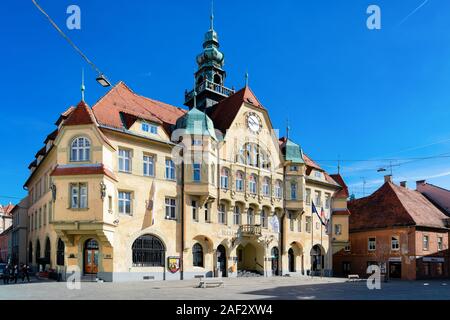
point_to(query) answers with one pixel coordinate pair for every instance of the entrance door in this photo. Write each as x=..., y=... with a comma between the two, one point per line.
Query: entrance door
x=395, y=270
x=222, y=260
x=291, y=261
x=275, y=257
x=91, y=257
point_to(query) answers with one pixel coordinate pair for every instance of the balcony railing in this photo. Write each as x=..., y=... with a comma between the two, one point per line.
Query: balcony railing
x=211, y=86
x=250, y=230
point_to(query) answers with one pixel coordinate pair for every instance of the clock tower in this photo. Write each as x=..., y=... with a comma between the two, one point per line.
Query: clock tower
x=210, y=75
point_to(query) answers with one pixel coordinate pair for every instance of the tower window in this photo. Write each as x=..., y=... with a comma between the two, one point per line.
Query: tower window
x=217, y=79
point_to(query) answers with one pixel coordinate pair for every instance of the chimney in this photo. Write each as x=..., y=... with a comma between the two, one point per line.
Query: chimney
x=403, y=184
x=388, y=178
x=420, y=182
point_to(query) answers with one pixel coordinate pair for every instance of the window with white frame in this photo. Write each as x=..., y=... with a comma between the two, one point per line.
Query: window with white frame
x=224, y=178
x=124, y=160
x=395, y=243
x=149, y=165
x=124, y=202
x=251, y=216
x=337, y=229
x=207, y=213
x=327, y=200
x=252, y=184
x=146, y=127
x=293, y=190
x=308, y=196
x=266, y=187
x=196, y=172
x=171, y=208
x=372, y=244
x=78, y=198
x=278, y=189
x=239, y=181
x=440, y=243
x=237, y=216
x=170, y=169
x=222, y=218
x=263, y=218
x=308, y=224
x=318, y=198
x=194, y=210
x=80, y=149
x=293, y=168
x=426, y=243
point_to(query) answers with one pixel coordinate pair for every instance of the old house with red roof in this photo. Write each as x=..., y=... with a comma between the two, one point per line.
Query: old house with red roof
x=137, y=189
x=398, y=229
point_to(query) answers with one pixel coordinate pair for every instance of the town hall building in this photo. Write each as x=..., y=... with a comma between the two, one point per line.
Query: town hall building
x=136, y=189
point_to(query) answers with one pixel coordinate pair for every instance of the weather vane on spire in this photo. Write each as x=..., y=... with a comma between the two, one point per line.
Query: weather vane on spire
x=82, y=84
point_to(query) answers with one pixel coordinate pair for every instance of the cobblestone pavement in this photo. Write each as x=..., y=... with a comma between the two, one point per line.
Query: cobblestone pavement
x=234, y=289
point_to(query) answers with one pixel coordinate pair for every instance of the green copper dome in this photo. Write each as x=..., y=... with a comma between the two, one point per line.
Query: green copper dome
x=293, y=152
x=196, y=122
x=211, y=55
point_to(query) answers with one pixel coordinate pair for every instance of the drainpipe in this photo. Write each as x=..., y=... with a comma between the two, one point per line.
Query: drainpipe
x=182, y=218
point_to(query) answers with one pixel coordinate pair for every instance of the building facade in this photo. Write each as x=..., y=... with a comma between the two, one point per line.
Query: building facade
x=399, y=230
x=136, y=189
x=19, y=232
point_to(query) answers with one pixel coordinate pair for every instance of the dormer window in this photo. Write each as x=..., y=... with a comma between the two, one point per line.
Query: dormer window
x=150, y=128
x=80, y=149
x=318, y=174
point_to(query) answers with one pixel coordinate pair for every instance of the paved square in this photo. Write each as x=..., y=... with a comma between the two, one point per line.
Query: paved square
x=234, y=289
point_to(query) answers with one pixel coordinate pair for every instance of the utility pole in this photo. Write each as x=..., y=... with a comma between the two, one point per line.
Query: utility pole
x=364, y=186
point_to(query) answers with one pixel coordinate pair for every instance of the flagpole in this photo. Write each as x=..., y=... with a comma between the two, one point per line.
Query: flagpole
x=321, y=246
x=312, y=235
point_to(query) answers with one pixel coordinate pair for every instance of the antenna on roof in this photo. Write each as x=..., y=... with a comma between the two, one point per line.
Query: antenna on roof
x=246, y=78
x=83, y=88
x=339, y=164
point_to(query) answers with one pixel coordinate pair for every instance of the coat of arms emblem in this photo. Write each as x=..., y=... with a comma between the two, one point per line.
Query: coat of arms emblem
x=173, y=264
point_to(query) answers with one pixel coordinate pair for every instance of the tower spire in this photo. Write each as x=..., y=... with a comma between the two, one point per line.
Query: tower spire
x=246, y=78
x=212, y=15
x=287, y=128
x=83, y=88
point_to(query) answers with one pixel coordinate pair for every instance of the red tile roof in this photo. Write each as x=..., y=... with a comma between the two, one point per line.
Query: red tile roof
x=391, y=206
x=83, y=170
x=224, y=113
x=7, y=208
x=344, y=212
x=82, y=114
x=310, y=163
x=122, y=99
x=439, y=196
x=343, y=193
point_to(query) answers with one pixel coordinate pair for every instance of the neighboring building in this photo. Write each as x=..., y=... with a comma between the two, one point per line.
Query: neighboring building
x=110, y=194
x=440, y=197
x=5, y=217
x=399, y=230
x=19, y=232
x=5, y=245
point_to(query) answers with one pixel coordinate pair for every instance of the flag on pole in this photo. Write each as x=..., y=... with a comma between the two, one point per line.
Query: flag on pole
x=314, y=210
x=151, y=203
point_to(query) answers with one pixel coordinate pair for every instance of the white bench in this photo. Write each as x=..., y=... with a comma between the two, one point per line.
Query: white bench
x=353, y=277
x=210, y=281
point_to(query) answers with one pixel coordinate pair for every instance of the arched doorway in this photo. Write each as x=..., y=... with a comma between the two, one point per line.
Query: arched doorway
x=291, y=260
x=275, y=261
x=317, y=258
x=222, y=260
x=91, y=256
x=47, y=251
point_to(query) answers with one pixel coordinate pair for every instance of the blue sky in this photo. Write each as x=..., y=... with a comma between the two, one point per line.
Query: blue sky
x=349, y=92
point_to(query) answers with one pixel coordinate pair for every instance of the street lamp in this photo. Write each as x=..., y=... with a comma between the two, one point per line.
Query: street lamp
x=103, y=81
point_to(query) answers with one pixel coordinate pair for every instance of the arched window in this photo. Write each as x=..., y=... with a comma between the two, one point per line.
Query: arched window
x=251, y=216
x=278, y=189
x=266, y=187
x=239, y=181
x=252, y=184
x=253, y=155
x=60, y=253
x=30, y=252
x=217, y=79
x=148, y=251
x=197, y=255
x=80, y=149
x=47, y=251
x=237, y=215
x=224, y=178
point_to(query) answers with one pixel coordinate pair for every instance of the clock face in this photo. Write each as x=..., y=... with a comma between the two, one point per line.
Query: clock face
x=254, y=122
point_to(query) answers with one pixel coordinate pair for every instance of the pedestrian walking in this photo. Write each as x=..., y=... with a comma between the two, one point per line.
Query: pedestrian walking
x=25, y=273
x=7, y=274
x=15, y=273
